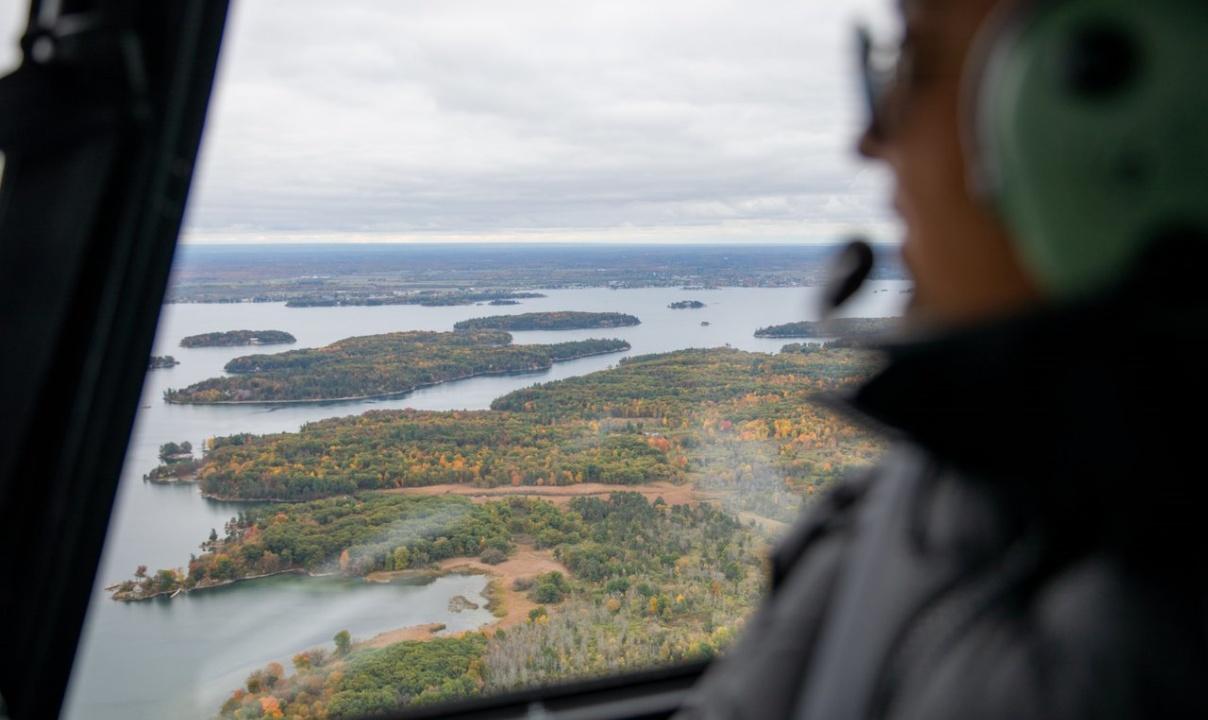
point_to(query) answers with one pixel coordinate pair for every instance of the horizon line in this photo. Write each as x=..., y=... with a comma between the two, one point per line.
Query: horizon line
x=538, y=244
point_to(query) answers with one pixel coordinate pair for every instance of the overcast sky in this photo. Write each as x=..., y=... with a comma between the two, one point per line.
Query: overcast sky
x=537, y=120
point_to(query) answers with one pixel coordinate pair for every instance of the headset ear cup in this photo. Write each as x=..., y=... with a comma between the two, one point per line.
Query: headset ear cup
x=994, y=40
x=1087, y=124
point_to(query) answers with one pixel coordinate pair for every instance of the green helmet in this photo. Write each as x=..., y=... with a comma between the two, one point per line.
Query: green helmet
x=1091, y=124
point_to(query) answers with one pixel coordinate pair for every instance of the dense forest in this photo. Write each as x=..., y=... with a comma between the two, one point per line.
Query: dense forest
x=162, y=361
x=387, y=449
x=427, y=298
x=349, y=682
x=675, y=385
x=686, y=305
x=380, y=365
x=565, y=320
x=839, y=327
x=234, y=338
x=746, y=423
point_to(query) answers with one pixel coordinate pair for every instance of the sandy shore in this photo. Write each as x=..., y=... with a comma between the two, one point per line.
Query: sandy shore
x=526, y=562
x=512, y=605
x=414, y=632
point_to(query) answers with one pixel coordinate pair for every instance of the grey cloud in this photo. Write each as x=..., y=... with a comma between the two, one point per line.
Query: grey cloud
x=490, y=119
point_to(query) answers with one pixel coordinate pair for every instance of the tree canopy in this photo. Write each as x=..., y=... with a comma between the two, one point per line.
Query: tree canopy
x=839, y=327
x=564, y=320
x=232, y=338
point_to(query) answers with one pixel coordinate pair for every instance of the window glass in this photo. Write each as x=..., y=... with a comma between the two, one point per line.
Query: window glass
x=488, y=358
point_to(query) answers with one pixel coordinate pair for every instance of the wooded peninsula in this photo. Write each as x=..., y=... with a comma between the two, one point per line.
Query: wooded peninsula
x=565, y=320
x=839, y=327
x=380, y=366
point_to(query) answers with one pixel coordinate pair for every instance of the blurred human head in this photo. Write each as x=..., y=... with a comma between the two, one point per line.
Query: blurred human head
x=959, y=253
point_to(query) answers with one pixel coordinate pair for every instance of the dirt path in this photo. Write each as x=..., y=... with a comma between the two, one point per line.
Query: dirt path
x=558, y=494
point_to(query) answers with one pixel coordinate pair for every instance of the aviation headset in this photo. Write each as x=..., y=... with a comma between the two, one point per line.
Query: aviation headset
x=1089, y=128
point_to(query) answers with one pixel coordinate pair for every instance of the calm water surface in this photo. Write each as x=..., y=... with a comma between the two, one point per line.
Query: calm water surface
x=180, y=658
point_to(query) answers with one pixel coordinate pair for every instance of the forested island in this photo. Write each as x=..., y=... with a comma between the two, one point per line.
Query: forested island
x=177, y=464
x=686, y=305
x=504, y=302
x=377, y=366
x=427, y=298
x=565, y=320
x=162, y=361
x=235, y=338
x=839, y=327
x=648, y=483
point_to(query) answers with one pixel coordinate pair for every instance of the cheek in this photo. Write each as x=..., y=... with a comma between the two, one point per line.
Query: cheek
x=927, y=157
x=936, y=236
x=932, y=185
x=932, y=195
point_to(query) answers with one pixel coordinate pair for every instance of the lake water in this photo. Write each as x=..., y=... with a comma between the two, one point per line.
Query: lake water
x=180, y=658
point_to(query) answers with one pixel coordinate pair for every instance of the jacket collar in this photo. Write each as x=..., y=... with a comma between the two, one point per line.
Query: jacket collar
x=1093, y=391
